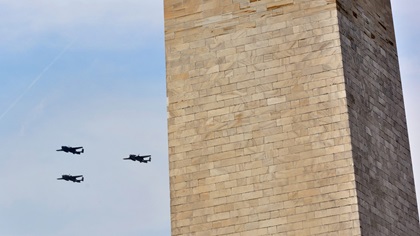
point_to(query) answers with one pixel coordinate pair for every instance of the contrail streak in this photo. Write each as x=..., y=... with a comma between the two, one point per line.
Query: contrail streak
x=36, y=80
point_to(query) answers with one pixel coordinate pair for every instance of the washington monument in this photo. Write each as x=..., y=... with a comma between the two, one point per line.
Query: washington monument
x=286, y=117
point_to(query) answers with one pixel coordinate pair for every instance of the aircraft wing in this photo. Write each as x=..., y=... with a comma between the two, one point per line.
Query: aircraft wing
x=144, y=156
x=75, y=148
x=77, y=176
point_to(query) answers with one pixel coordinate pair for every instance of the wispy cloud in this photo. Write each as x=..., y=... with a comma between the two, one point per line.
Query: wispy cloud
x=98, y=94
x=17, y=100
x=105, y=23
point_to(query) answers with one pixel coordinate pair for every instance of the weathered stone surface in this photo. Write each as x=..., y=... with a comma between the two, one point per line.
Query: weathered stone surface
x=286, y=118
x=384, y=175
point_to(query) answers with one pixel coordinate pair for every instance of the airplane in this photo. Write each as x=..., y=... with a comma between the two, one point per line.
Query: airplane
x=72, y=178
x=71, y=149
x=139, y=158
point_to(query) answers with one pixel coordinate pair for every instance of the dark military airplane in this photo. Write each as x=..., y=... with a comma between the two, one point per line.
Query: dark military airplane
x=72, y=178
x=139, y=158
x=71, y=149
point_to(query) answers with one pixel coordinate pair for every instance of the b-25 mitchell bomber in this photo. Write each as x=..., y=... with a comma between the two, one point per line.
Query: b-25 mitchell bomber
x=139, y=158
x=72, y=178
x=71, y=150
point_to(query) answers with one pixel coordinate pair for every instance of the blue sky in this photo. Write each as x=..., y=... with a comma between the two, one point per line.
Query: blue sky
x=92, y=73
x=88, y=73
x=407, y=28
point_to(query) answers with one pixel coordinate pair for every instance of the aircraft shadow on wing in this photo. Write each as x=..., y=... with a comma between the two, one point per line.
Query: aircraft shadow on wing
x=73, y=150
x=141, y=159
x=72, y=178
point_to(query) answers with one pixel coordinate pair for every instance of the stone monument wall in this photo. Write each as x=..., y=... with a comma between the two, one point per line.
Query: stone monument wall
x=265, y=131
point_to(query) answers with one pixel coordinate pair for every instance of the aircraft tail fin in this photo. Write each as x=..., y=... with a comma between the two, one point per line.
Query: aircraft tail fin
x=83, y=178
x=83, y=150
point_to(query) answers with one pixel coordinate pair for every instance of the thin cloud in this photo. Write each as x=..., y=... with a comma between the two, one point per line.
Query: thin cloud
x=98, y=24
x=17, y=100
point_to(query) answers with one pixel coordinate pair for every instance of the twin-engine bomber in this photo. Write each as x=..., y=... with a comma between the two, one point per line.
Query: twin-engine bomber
x=74, y=178
x=71, y=149
x=74, y=150
x=141, y=159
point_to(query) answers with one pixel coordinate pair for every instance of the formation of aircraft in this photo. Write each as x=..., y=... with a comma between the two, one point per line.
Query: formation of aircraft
x=80, y=178
x=71, y=149
x=141, y=159
x=74, y=178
